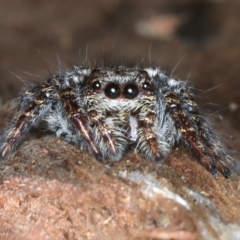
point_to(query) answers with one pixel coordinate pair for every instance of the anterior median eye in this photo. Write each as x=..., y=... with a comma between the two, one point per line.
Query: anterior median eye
x=112, y=91
x=130, y=91
x=96, y=85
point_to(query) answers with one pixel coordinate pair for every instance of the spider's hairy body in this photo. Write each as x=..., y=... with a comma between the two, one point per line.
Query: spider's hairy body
x=106, y=110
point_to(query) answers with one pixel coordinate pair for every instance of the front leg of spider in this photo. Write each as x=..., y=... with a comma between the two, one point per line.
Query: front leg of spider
x=190, y=136
x=148, y=144
x=34, y=104
x=74, y=112
x=206, y=134
x=104, y=131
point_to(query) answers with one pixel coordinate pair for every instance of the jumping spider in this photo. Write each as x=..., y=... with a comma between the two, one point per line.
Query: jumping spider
x=106, y=110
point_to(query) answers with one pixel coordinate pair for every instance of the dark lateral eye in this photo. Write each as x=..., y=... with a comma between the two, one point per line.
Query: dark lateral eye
x=112, y=91
x=147, y=86
x=130, y=91
x=96, y=85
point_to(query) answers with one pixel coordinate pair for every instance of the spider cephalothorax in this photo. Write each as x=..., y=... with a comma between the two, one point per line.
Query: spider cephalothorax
x=105, y=110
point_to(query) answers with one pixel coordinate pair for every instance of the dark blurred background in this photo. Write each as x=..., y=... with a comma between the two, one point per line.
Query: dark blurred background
x=193, y=39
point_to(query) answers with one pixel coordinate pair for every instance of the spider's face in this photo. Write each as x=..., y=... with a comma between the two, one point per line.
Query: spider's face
x=118, y=88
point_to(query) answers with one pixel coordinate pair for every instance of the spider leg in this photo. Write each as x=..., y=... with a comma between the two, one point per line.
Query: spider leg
x=30, y=111
x=214, y=146
x=148, y=144
x=104, y=130
x=76, y=115
x=191, y=137
x=207, y=136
